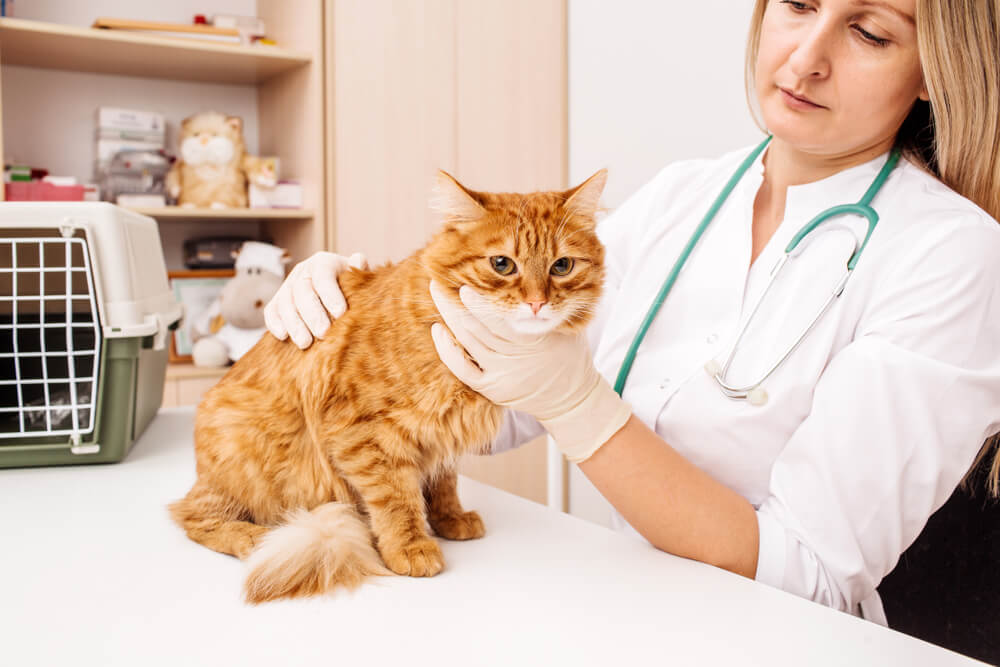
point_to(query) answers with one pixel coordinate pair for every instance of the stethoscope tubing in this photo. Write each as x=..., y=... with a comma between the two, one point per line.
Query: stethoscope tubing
x=753, y=392
x=668, y=284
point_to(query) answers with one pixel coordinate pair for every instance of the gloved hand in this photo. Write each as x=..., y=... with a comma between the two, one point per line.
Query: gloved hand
x=551, y=377
x=302, y=307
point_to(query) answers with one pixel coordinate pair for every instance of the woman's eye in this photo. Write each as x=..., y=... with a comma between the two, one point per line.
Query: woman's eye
x=562, y=266
x=797, y=6
x=868, y=37
x=503, y=265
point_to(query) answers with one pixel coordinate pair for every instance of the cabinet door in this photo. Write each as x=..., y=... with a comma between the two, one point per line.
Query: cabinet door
x=475, y=88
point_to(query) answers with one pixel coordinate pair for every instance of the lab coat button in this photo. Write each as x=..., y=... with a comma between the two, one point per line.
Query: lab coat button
x=712, y=338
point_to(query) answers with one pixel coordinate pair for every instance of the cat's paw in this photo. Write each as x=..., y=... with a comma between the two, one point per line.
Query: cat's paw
x=217, y=205
x=420, y=558
x=465, y=526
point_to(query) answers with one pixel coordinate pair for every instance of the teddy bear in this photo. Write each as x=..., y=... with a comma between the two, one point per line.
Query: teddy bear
x=213, y=168
x=235, y=321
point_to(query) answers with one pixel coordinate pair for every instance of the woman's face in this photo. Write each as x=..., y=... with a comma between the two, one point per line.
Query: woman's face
x=838, y=76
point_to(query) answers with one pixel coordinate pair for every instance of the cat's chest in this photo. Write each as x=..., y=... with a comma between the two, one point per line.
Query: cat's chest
x=208, y=171
x=457, y=417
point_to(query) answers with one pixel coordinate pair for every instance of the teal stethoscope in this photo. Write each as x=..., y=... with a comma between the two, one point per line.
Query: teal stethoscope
x=753, y=393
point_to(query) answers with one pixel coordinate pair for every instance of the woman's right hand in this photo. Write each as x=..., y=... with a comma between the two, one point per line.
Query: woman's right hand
x=309, y=296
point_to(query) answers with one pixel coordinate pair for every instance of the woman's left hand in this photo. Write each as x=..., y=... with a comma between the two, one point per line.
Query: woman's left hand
x=551, y=376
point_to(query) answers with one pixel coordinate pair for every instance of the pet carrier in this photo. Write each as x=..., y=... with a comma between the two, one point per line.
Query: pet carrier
x=85, y=310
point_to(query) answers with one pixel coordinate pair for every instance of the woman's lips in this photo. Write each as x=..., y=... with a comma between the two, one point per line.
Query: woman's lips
x=798, y=103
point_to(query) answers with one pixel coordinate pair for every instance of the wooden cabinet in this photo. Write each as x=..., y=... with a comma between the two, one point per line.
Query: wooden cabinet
x=278, y=90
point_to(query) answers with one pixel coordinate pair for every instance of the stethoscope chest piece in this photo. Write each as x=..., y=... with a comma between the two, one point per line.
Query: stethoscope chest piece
x=755, y=395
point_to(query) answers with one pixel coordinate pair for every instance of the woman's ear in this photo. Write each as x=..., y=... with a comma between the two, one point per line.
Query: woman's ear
x=924, y=94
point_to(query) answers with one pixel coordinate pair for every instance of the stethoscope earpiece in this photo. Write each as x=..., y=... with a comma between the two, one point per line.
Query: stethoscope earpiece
x=757, y=396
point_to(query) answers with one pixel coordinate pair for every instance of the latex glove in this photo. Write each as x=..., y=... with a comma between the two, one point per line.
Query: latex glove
x=302, y=306
x=551, y=377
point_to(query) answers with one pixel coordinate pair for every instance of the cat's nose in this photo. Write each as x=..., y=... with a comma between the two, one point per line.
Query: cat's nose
x=536, y=306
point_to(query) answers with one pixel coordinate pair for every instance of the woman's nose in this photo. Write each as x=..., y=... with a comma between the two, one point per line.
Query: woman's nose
x=811, y=57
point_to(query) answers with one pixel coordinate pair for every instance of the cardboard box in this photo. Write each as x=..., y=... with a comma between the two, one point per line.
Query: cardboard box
x=129, y=119
x=286, y=194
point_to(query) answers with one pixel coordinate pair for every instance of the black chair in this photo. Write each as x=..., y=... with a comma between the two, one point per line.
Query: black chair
x=946, y=587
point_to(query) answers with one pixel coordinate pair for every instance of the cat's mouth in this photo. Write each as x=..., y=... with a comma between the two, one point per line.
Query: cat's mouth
x=535, y=325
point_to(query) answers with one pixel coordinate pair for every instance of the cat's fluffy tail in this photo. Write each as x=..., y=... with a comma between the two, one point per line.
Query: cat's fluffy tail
x=312, y=553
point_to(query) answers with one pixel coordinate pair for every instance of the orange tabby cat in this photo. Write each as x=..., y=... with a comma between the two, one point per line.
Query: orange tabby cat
x=318, y=466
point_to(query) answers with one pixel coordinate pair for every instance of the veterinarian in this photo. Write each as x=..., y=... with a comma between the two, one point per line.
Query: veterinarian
x=799, y=445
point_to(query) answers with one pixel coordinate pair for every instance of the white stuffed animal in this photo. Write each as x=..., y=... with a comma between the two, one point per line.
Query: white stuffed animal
x=260, y=268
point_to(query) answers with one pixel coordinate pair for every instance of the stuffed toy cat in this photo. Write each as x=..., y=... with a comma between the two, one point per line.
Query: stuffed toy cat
x=261, y=171
x=235, y=322
x=324, y=466
x=209, y=172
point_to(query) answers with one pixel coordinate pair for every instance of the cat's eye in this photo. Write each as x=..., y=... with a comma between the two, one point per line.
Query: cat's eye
x=562, y=266
x=503, y=265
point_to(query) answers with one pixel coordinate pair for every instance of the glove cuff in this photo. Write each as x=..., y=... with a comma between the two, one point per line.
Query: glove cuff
x=582, y=430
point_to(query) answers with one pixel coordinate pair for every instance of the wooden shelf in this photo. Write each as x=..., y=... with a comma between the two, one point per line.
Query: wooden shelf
x=179, y=371
x=55, y=46
x=183, y=214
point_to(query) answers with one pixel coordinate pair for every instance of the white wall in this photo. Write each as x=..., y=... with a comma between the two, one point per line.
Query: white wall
x=650, y=83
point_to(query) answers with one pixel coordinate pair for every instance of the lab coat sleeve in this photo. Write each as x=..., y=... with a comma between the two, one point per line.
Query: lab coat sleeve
x=618, y=232
x=897, y=418
x=516, y=429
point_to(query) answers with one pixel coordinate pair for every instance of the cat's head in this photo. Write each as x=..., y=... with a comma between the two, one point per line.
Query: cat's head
x=262, y=171
x=534, y=258
x=210, y=137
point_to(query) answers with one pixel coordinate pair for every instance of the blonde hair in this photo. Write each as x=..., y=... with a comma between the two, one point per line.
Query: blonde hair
x=955, y=136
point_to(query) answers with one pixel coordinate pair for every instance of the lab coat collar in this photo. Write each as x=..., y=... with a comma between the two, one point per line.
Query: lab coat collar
x=804, y=201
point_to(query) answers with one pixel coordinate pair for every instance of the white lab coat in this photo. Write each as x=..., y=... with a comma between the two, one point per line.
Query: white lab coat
x=872, y=421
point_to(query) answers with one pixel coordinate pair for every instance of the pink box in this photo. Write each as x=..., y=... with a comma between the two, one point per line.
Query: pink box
x=41, y=191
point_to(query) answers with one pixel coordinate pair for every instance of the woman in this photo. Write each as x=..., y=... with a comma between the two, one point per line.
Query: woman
x=820, y=484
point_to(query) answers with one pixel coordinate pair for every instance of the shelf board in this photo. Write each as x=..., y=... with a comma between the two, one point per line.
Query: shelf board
x=184, y=371
x=180, y=213
x=55, y=46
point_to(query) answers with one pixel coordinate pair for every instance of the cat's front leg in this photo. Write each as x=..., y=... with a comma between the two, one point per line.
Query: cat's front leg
x=394, y=499
x=445, y=513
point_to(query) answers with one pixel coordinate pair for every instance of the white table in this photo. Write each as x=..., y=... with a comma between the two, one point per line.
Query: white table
x=94, y=572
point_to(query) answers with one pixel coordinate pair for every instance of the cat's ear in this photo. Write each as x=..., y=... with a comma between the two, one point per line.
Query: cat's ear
x=454, y=202
x=235, y=122
x=584, y=199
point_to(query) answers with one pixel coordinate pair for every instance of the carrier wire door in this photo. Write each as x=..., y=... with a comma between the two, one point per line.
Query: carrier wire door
x=50, y=338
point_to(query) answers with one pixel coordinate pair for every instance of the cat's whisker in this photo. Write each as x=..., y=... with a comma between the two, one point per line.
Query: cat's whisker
x=575, y=233
x=562, y=222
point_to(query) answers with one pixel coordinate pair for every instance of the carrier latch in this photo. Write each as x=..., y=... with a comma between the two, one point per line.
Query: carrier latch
x=77, y=448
